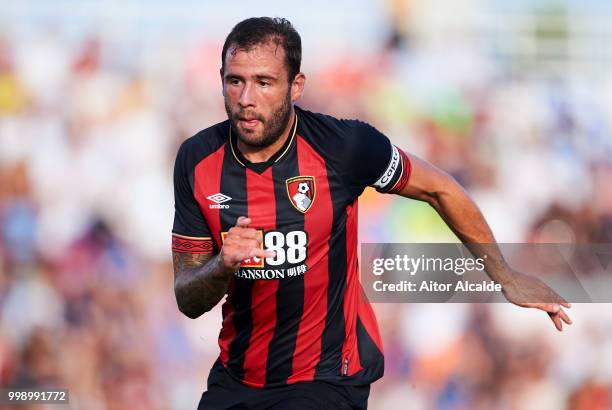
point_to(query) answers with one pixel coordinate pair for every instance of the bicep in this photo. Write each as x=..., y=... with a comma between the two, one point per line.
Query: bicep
x=426, y=181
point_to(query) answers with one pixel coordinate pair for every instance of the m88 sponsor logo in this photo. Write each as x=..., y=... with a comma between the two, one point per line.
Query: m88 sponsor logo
x=291, y=250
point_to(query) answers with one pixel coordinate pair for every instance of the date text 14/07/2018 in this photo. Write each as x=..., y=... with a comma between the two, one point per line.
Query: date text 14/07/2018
x=433, y=286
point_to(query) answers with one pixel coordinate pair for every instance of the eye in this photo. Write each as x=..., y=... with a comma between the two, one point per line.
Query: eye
x=233, y=81
x=264, y=83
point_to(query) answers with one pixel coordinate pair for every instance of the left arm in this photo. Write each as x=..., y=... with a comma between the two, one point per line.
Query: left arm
x=434, y=186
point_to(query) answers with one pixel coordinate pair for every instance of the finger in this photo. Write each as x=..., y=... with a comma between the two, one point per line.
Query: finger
x=262, y=253
x=236, y=257
x=564, y=302
x=563, y=315
x=557, y=321
x=241, y=251
x=547, y=307
x=560, y=300
x=249, y=244
x=249, y=233
x=236, y=235
x=243, y=222
x=239, y=230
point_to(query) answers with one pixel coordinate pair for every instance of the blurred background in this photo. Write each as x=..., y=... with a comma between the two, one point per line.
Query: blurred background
x=514, y=99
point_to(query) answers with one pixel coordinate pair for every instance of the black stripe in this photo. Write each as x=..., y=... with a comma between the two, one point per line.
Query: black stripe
x=370, y=356
x=333, y=334
x=233, y=184
x=290, y=294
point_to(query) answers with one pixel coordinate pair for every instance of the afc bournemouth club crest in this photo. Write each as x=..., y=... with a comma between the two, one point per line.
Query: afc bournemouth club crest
x=301, y=191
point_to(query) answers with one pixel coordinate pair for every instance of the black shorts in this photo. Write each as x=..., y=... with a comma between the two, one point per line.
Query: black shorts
x=224, y=392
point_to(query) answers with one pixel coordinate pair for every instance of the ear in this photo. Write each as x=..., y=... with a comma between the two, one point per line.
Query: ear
x=297, y=86
x=222, y=83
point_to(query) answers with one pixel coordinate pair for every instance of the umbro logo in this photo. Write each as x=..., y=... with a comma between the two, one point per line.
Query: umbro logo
x=218, y=200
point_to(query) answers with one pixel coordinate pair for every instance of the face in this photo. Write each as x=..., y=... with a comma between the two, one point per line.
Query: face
x=258, y=98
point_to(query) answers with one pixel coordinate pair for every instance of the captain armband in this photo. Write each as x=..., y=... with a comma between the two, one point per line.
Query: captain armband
x=397, y=173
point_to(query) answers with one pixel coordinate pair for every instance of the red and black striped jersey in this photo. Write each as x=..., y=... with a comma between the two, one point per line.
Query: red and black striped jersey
x=301, y=315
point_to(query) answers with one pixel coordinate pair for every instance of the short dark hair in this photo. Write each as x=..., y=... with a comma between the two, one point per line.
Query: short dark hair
x=260, y=30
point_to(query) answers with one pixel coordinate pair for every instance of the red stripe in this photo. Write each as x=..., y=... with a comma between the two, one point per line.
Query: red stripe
x=207, y=181
x=191, y=245
x=317, y=224
x=350, y=351
x=262, y=211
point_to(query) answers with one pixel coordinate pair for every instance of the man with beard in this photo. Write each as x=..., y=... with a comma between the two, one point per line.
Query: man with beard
x=266, y=212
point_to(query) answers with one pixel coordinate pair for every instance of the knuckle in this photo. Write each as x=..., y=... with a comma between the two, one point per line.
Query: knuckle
x=250, y=232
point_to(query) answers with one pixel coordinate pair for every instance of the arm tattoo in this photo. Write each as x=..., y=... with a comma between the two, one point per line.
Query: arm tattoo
x=199, y=282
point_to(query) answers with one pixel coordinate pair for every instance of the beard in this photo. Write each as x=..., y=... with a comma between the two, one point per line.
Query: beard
x=273, y=127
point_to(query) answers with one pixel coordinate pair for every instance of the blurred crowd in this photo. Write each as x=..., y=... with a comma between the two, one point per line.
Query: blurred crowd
x=88, y=134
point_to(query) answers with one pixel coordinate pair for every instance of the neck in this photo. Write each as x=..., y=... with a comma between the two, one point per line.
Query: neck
x=255, y=154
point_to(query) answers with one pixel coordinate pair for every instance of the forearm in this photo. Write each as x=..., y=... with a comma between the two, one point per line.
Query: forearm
x=200, y=282
x=464, y=218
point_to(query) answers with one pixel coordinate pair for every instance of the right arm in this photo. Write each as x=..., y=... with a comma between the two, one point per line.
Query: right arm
x=201, y=280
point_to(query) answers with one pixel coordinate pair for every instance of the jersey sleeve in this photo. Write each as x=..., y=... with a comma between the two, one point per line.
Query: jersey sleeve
x=190, y=233
x=374, y=161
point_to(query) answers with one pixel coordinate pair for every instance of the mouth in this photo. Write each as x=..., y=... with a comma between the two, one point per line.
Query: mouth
x=248, y=122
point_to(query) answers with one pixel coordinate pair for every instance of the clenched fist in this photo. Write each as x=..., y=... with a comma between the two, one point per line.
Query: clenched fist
x=240, y=243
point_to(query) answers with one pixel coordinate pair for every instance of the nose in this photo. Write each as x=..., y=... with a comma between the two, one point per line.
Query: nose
x=247, y=96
